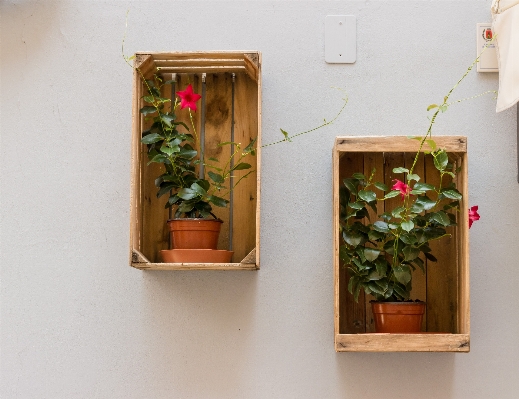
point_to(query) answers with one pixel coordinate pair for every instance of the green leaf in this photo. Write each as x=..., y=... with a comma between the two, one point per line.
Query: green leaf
x=167, y=119
x=374, y=275
x=381, y=186
x=368, y=196
x=407, y=225
x=151, y=138
x=159, y=158
x=402, y=273
x=359, y=176
x=375, y=235
x=186, y=194
x=400, y=170
x=374, y=287
x=381, y=226
x=396, y=213
x=444, y=107
x=410, y=253
x=425, y=202
x=400, y=290
x=169, y=150
x=356, y=205
x=221, y=202
x=216, y=177
x=241, y=166
x=408, y=239
x=441, y=217
x=423, y=186
x=287, y=138
x=198, y=189
x=371, y=254
x=148, y=110
x=413, y=177
x=417, y=208
x=441, y=160
x=392, y=194
x=431, y=144
x=381, y=265
x=165, y=188
x=432, y=106
x=452, y=194
x=351, y=237
x=250, y=148
x=351, y=185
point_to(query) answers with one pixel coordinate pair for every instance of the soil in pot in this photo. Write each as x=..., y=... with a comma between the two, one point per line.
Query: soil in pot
x=194, y=233
x=398, y=317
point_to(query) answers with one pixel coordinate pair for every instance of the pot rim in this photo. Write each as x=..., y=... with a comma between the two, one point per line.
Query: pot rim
x=195, y=219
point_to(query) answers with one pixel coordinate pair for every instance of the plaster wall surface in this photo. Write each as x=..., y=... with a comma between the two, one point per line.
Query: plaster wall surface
x=78, y=322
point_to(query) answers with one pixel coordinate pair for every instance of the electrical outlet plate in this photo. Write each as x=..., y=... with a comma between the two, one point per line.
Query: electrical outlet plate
x=340, y=39
x=488, y=60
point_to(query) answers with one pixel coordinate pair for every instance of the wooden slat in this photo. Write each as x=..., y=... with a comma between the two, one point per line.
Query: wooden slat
x=352, y=315
x=194, y=266
x=463, y=250
x=187, y=55
x=258, y=162
x=336, y=243
x=373, y=160
x=419, y=281
x=397, y=144
x=245, y=194
x=218, y=130
x=442, y=282
x=203, y=69
x=402, y=343
x=199, y=63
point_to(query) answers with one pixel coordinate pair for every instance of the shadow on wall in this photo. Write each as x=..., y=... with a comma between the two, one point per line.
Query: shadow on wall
x=200, y=323
x=397, y=375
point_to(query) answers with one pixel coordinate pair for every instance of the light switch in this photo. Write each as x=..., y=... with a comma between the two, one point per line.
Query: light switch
x=340, y=39
x=488, y=60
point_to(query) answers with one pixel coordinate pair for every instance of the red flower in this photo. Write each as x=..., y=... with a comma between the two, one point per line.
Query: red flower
x=473, y=215
x=402, y=187
x=188, y=98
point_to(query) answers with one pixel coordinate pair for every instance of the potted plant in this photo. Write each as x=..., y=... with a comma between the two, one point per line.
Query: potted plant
x=381, y=253
x=191, y=191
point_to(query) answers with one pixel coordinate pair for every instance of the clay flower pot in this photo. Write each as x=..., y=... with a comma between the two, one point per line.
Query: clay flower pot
x=194, y=233
x=398, y=317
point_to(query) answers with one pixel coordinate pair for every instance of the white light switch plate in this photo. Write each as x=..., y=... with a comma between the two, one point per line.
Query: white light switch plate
x=340, y=39
x=488, y=59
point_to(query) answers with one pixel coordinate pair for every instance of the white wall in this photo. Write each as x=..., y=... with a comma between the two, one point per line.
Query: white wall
x=78, y=322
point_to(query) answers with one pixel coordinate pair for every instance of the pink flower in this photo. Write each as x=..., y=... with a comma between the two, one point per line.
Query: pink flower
x=188, y=98
x=402, y=187
x=473, y=215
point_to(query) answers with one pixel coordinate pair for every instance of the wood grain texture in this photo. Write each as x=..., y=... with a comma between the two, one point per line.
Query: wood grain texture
x=245, y=193
x=194, y=266
x=402, y=343
x=397, y=144
x=419, y=280
x=148, y=229
x=442, y=282
x=445, y=287
x=352, y=315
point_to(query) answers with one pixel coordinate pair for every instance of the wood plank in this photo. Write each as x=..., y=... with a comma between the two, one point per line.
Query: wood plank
x=199, y=63
x=352, y=315
x=186, y=55
x=402, y=343
x=419, y=281
x=245, y=193
x=194, y=266
x=218, y=130
x=203, y=69
x=258, y=163
x=442, y=281
x=373, y=161
x=463, y=249
x=397, y=144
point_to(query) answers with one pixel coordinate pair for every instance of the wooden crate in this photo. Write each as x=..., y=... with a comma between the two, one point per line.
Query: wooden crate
x=444, y=286
x=227, y=75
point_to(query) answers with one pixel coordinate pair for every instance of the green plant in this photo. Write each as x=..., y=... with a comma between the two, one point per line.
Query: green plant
x=382, y=254
x=171, y=143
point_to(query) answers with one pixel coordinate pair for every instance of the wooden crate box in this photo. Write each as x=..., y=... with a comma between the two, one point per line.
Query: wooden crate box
x=231, y=82
x=445, y=284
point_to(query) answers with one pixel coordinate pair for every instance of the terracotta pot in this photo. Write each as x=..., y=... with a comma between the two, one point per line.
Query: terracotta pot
x=398, y=317
x=194, y=233
x=196, y=256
